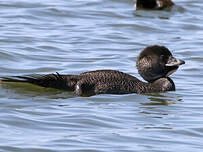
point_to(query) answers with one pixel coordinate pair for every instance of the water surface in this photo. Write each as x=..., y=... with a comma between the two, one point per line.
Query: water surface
x=81, y=35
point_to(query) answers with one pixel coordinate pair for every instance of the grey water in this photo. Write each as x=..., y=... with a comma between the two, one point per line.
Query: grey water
x=74, y=36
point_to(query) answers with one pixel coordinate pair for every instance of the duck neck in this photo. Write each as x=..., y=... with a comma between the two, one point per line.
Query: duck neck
x=159, y=85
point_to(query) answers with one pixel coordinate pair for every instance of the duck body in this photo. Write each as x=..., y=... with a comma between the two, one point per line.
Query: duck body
x=115, y=82
x=154, y=4
x=154, y=64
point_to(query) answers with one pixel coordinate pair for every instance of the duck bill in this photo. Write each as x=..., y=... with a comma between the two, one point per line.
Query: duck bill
x=172, y=65
x=173, y=62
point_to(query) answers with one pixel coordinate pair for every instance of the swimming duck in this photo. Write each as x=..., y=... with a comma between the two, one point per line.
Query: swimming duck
x=154, y=4
x=155, y=63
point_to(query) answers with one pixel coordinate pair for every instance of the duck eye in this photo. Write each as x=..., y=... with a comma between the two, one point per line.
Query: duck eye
x=163, y=58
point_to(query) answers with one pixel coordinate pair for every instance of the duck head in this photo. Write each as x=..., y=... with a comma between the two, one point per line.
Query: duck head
x=156, y=62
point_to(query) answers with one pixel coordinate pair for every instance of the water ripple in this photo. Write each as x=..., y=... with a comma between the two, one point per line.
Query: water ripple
x=76, y=36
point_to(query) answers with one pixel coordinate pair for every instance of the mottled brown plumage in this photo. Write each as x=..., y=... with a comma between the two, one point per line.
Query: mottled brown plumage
x=154, y=64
